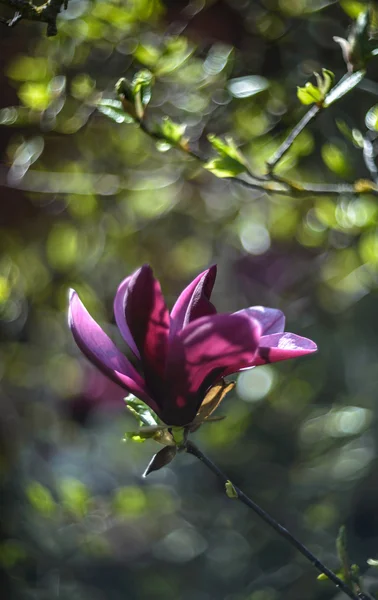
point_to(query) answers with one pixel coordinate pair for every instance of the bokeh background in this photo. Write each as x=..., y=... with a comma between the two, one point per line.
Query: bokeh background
x=84, y=202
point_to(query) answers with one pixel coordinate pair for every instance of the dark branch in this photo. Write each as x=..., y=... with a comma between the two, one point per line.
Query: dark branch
x=46, y=13
x=282, y=531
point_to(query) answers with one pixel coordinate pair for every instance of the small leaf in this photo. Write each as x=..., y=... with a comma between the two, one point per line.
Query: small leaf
x=309, y=94
x=230, y=161
x=328, y=79
x=323, y=577
x=161, y=459
x=136, y=436
x=230, y=490
x=142, y=89
x=172, y=132
x=123, y=88
x=143, y=413
x=114, y=109
x=160, y=434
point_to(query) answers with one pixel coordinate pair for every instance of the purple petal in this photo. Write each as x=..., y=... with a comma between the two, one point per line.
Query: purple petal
x=148, y=320
x=282, y=346
x=101, y=351
x=120, y=301
x=194, y=301
x=271, y=320
x=200, y=354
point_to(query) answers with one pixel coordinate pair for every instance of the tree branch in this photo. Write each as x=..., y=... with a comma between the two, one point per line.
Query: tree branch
x=46, y=13
x=274, y=183
x=286, y=144
x=282, y=531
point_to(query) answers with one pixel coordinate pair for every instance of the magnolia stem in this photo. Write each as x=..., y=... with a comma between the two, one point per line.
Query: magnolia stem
x=192, y=449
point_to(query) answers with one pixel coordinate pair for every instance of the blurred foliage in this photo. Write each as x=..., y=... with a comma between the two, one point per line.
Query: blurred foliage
x=86, y=200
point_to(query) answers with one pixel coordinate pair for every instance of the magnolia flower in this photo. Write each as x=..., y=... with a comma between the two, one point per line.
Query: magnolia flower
x=179, y=356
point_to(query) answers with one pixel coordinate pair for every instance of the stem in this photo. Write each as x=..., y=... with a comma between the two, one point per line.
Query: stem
x=45, y=13
x=192, y=449
x=276, y=184
x=286, y=144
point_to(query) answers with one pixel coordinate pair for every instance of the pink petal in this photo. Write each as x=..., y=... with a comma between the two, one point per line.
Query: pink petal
x=271, y=320
x=148, y=320
x=101, y=351
x=194, y=301
x=200, y=354
x=120, y=301
x=282, y=346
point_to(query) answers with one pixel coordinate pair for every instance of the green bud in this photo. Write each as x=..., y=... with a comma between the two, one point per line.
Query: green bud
x=230, y=490
x=229, y=162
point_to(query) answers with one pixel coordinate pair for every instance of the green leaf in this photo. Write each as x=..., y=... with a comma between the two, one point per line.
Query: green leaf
x=309, y=94
x=141, y=87
x=135, y=436
x=230, y=161
x=345, y=85
x=114, y=110
x=323, y=577
x=172, y=132
x=142, y=413
x=328, y=79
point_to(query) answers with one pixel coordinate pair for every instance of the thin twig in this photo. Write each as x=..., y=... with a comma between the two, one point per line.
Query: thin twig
x=282, y=531
x=276, y=184
x=287, y=143
x=44, y=13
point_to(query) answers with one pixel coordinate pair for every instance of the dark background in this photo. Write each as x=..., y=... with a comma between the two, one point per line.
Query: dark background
x=84, y=202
